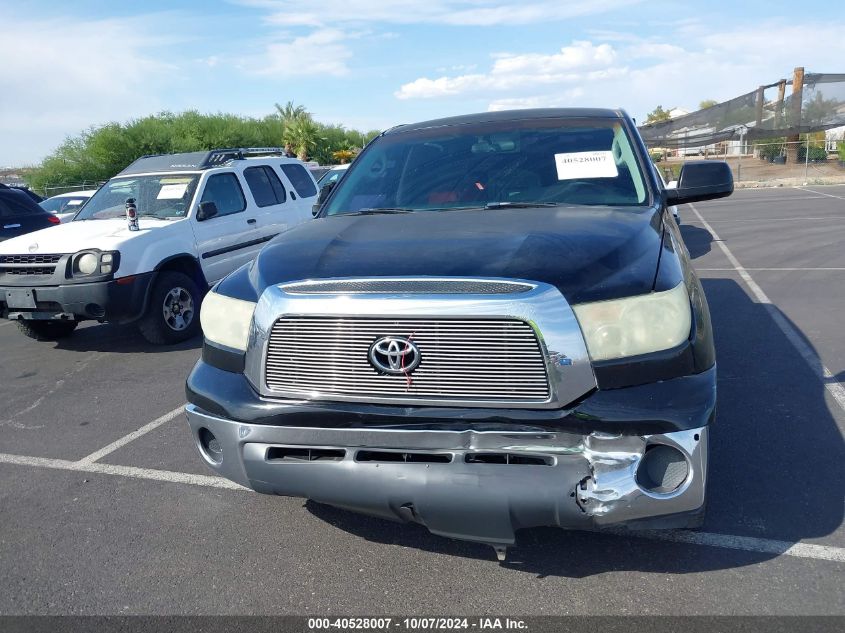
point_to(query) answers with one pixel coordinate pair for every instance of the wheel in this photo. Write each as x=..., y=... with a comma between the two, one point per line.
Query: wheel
x=173, y=311
x=47, y=330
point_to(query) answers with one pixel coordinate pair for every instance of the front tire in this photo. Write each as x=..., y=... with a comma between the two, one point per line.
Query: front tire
x=47, y=330
x=173, y=311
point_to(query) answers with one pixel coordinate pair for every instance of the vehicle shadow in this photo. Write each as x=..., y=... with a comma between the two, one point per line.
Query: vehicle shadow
x=697, y=239
x=109, y=337
x=775, y=470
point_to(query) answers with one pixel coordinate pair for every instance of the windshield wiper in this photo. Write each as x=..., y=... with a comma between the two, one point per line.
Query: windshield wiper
x=380, y=210
x=520, y=205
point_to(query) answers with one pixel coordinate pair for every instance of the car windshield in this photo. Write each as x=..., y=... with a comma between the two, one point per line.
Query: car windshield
x=164, y=196
x=533, y=162
x=63, y=204
x=332, y=175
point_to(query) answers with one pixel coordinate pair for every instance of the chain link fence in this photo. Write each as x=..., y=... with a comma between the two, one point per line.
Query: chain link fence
x=774, y=162
x=53, y=190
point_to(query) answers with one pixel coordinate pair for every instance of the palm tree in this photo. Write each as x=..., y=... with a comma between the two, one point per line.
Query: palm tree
x=289, y=112
x=303, y=135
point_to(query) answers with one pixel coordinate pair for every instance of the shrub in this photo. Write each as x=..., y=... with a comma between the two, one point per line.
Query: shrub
x=97, y=154
x=770, y=148
x=815, y=154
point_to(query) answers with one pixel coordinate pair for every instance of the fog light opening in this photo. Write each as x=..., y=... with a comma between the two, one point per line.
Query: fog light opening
x=663, y=469
x=210, y=445
x=95, y=310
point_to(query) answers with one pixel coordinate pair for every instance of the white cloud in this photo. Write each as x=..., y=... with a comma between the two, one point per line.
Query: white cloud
x=581, y=61
x=450, y=12
x=561, y=100
x=67, y=74
x=640, y=73
x=321, y=52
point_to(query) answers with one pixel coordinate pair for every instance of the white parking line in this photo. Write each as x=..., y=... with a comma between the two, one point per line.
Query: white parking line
x=821, y=193
x=816, y=365
x=781, y=269
x=123, y=471
x=134, y=435
x=708, y=539
x=744, y=543
x=792, y=219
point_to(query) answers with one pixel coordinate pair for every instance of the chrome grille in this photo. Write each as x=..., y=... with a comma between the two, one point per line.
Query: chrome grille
x=493, y=360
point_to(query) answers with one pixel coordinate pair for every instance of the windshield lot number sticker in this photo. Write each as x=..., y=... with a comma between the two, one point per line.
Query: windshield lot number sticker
x=172, y=192
x=578, y=165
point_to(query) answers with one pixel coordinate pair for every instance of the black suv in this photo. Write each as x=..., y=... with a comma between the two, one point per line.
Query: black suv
x=20, y=214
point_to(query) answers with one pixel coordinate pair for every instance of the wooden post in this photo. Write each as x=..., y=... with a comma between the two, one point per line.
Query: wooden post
x=759, y=107
x=779, y=104
x=792, y=141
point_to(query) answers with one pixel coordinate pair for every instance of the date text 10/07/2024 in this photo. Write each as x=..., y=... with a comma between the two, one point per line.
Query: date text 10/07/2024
x=417, y=624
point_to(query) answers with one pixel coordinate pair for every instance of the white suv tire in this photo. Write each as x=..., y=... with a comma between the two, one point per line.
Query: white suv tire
x=173, y=310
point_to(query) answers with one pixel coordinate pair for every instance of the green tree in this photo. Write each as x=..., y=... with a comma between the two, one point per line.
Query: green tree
x=707, y=103
x=818, y=110
x=97, y=154
x=657, y=115
x=304, y=136
x=290, y=111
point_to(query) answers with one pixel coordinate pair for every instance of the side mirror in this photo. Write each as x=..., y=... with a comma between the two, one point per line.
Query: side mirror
x=325, y=190
x=206, y=211
x=701, y=180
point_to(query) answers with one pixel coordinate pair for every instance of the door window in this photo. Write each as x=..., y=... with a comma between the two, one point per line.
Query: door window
x=265, y=186
x=300, y=179
x=225, y=191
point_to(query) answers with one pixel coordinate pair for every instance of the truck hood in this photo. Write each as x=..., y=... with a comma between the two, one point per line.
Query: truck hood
x=106, y=235
x=588, y=253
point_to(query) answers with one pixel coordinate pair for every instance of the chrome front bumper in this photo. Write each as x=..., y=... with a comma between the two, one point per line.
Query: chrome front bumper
x=472, y=485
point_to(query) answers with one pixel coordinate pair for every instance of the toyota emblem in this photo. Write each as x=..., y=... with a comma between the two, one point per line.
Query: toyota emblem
x=394, y=355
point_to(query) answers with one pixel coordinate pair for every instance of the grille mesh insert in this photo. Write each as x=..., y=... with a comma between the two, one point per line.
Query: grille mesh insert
x=420, y=286
x=479, y=360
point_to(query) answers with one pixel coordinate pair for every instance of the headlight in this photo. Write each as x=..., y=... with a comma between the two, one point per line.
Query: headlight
x=635, y=325
x=86, y=263
x=95, y=262
x=226, y=320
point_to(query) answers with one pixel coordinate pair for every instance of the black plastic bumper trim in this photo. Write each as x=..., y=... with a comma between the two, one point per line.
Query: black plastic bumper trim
x=223, y=358
x=661, y=407
x=122, y=302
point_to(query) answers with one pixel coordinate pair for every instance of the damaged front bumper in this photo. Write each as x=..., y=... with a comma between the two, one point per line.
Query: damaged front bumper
x=470, y=484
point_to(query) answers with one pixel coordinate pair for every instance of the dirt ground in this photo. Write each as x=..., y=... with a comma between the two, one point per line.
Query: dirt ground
x=749, y=171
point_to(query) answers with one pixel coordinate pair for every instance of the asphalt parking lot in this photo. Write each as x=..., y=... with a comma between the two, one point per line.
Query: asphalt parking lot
x=105, y=507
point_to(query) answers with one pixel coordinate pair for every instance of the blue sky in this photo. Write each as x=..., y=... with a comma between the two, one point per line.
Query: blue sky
x=376, y=63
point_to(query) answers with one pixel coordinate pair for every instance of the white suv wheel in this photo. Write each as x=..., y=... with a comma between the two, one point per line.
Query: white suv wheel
x=178, y=309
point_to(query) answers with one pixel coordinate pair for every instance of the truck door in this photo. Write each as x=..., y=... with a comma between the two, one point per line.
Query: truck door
x=274, y=208
x=230, y=238
x=302, y=188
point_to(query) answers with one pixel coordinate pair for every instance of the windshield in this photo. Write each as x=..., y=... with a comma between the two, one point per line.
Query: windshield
x=63, y=204
x=501, y=163
x=332, y=175
x=165, y=196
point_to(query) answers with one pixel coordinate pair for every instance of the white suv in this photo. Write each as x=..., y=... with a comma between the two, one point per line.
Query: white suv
x=200, y=216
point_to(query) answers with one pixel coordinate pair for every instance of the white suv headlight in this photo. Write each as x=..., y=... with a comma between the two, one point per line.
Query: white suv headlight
x=635, y=325
x=226, y=320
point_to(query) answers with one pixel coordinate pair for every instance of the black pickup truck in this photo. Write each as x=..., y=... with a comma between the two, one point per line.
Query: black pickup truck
x=491, y=324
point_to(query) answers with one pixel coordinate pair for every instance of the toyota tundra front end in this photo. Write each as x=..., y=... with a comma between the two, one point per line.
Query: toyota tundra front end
x=492, y=324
